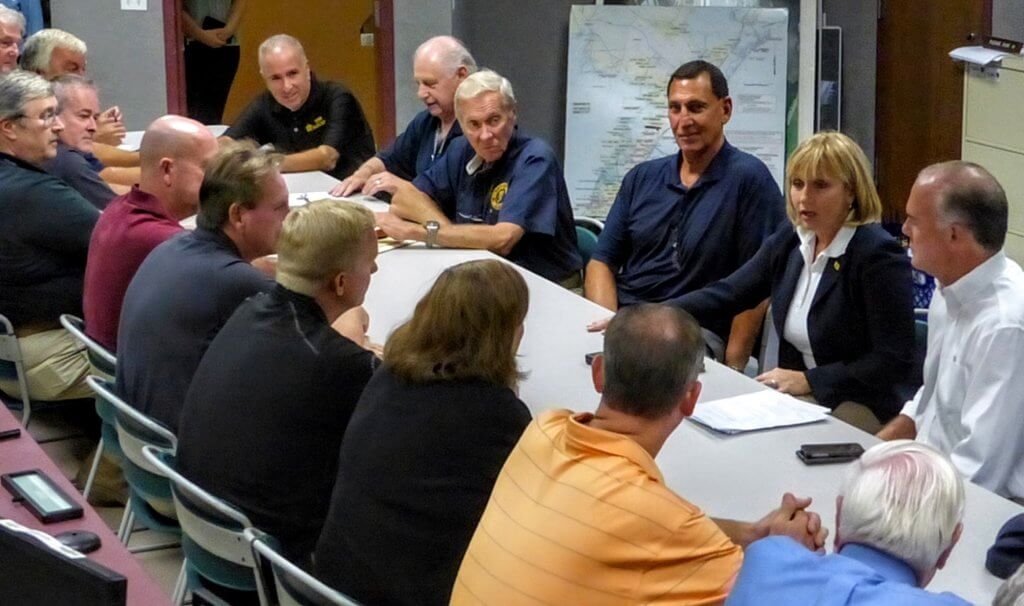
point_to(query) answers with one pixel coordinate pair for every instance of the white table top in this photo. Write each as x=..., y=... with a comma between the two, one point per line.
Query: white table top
x=133, y=138
x=741, y=476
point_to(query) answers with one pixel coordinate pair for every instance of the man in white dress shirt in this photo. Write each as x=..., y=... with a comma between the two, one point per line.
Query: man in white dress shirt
x=971, y=405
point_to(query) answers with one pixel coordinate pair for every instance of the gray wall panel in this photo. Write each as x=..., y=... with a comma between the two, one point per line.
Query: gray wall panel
x=860, y=40
x=126, y=54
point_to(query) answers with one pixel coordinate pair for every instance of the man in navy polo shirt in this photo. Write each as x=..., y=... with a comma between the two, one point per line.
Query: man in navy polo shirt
x=319, y=125
x=495, y=189
x=439, y=66
x=689, y=219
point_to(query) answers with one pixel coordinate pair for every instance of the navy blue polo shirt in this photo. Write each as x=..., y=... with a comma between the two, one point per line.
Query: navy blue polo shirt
x=664, y=240
x=182, y=295
x=525, y=187
x=414, y=151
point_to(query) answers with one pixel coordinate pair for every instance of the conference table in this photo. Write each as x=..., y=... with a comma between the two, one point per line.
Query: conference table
x=741, y=476
x=23, y=453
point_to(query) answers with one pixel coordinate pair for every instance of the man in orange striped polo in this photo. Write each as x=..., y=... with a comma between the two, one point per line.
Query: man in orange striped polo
x=580, y=513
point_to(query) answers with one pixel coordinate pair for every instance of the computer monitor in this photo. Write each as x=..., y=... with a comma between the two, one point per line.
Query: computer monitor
x=34, y=570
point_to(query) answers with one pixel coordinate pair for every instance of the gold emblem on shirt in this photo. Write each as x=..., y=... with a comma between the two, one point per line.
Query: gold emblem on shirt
x=316, y=124
x=498, y=195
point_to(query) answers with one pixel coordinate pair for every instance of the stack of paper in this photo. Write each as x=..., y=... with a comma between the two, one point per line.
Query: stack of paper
x=302, y=199
x=762, y=409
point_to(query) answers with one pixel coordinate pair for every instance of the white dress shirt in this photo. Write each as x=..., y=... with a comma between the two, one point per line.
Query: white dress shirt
x=794, y=330
x=971, y=405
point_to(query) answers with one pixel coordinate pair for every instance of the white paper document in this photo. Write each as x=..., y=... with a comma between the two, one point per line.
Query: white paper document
x=763, y=409
x=302, y=199
x=978, y=55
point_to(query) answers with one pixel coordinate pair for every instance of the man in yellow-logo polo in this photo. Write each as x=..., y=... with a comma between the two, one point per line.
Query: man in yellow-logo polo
x=495, y=189
x=319, y=125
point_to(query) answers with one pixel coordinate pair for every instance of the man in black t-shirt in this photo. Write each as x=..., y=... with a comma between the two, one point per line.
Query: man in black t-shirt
x=319, y=125
x=269, y=403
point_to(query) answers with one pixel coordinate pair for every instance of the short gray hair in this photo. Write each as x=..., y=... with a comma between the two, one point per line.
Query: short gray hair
x=35, y=56
x=20, y=87
x=890, y=490
x=451, y=52
x=63, y=86
x=279, y=41
x=1011, y=593
x=969, y=194
x=12, y=17
x=485, y=81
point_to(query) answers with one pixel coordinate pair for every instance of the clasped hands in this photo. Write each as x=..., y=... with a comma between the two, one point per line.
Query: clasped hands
x=794, y=520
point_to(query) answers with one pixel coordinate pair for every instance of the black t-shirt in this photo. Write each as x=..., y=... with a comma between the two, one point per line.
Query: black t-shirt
x=79, y=170
x=264, y=416
x=330, y=116
x=45, y=228
x=416, y=469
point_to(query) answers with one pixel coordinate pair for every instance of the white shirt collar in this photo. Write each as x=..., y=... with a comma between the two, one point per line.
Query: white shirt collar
x=973, y=283
x=475, y=163
x=836, y=248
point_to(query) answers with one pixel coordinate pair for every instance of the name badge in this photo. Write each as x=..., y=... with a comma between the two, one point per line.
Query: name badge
x=316, y=124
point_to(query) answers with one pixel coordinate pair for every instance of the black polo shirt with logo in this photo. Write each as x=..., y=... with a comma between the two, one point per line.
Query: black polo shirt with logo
x=330, y=116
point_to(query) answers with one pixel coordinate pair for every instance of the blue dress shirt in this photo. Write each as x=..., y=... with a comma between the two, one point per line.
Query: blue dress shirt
x=525, y=187
x=781, y=572
x=663, y=239
x=415, y=150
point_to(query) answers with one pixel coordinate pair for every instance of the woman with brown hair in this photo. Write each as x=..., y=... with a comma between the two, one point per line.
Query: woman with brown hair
x=427, y=440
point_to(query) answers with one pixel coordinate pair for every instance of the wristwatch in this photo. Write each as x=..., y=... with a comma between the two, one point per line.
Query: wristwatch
x=432, y=229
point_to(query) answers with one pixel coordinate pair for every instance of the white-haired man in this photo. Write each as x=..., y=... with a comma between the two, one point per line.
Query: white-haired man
x=970, y=404
x=12, y=30
x=439, y=65
x=898, y=516
x=53, y=53
x=495, y=189
x=75, y=164
x=44, y=237
x=318, y=125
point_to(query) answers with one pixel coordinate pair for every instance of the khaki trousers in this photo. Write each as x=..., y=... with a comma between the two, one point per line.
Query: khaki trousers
x=55, y=367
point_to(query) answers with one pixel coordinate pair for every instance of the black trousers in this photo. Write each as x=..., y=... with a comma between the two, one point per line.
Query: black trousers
x=209, y=73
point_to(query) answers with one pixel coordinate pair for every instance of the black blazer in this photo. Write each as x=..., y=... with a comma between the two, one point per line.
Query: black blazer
x=861, y=321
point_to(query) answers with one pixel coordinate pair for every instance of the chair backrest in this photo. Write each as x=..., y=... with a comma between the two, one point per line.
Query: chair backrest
x=290, y=584
x=586, y=242
x=10, y=360
x=591, y=224
x=206, y=520
x=103, y=362
x=135, y=429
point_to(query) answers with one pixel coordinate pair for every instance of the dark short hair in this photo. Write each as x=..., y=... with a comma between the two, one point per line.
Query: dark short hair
x=693, y=69
x=235, y=174
x=972, y=196
x=652, y=352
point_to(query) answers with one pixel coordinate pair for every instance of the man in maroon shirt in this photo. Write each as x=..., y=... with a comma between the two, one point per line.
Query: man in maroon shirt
x=173, y=154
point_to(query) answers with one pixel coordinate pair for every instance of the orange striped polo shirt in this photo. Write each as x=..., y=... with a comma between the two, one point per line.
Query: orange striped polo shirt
x=582, y=516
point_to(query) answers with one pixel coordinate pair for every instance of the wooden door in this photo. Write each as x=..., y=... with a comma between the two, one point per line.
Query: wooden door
x=919, y=101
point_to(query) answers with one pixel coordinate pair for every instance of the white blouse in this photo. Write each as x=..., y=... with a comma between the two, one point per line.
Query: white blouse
x=795, y=328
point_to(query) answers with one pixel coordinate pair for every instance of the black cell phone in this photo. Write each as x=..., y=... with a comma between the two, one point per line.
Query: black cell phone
x=41, y=496
x=590, y=356
x=821, y=454
x=9, y=434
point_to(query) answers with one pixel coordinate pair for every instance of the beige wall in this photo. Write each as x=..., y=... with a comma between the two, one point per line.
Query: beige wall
x=329, y=31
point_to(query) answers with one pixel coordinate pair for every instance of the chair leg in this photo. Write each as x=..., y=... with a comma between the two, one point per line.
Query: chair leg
x=124, y=532
x=92, y=470
x=180, y=586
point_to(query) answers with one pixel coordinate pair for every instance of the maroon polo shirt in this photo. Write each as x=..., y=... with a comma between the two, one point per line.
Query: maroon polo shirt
x=130, y=227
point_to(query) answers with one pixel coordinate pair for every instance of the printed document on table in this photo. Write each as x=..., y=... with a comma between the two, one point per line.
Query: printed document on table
x=763, y=409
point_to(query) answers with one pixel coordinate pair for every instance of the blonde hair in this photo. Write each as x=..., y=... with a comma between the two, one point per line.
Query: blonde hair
x=485, y=81
x=464, y=327
x=235, y=174
x=836, y=156
x=320, y=240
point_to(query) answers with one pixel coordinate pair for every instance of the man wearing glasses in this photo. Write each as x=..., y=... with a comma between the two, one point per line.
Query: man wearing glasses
x=44, y=236
x=12, y=28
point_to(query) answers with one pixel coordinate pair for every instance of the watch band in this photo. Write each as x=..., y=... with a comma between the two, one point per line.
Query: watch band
x=432, y=228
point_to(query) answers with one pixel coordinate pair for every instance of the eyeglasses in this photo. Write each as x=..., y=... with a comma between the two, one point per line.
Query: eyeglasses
x=48, y=118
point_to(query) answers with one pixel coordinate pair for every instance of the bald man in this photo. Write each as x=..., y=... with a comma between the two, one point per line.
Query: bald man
x=173, y=155
x=439, y=65
x=318, y=125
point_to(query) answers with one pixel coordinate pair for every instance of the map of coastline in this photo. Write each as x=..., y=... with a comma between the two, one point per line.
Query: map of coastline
x=620, y=58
